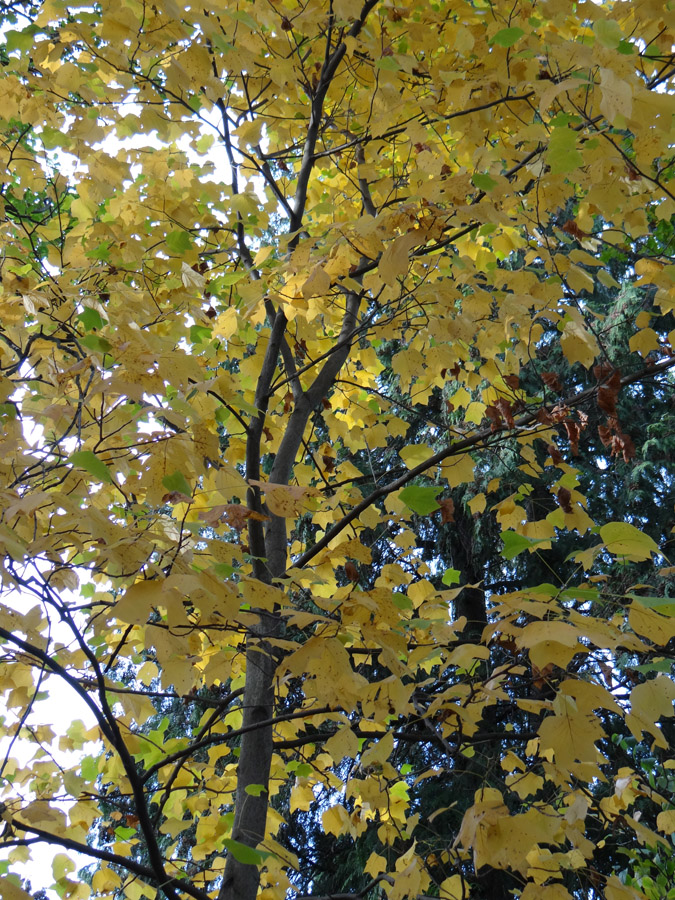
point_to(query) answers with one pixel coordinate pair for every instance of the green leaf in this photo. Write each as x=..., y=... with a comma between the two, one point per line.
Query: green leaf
x=255, y=790
x=507, y=36
x=421, y=500
x=624, y=539
x=200, y=333
x=204, y=143
x=245, y=854
x=91, y=319
x=9, y=410
x=515, y=543
x=177, y=482
x=660, y=665
x=125, y=833
x=663, y=605
x=388, y=63
x=96, y=343
x=562, y=154
x=483, y=181
x=242, y=16
x=20, y=40
x=450, y=577
x=102, y=251
x=53, y=137
x=85, y=459
x=608, y=33
x=178, y=241
x=89, y=768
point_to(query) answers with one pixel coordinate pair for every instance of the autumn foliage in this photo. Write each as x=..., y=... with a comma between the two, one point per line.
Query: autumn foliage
x=287, y=286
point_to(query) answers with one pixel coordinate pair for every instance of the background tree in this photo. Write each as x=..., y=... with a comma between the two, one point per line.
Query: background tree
x=412, y=211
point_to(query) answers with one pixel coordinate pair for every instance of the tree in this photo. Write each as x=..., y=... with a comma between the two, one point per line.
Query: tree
x=241, y=244
x=467, y=543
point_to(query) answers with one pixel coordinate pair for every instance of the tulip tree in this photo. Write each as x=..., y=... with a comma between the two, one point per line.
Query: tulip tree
x=223, y=225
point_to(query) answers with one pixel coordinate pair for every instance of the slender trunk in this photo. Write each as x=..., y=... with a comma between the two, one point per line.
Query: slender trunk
x=240, y=881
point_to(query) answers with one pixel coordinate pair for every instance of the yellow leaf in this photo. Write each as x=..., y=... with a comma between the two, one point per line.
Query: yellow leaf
x=317, y=284
x=644, y=341
x=302, y=797
x=617, y=96
x=335, y=820
x=139, y=600
x=343, y=743
x=287, y=501
x=665, y=821
x=225, y=324
x=477, y=504
x=453, y=888
x=415, y=454
x=10, y=890
x=647, y=622
x=578, y=343
x=624, y=539
x=394, y=261
x=458, y=469
x=375, y=864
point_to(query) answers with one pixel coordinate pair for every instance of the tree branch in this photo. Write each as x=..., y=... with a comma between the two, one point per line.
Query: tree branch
x=468, y=443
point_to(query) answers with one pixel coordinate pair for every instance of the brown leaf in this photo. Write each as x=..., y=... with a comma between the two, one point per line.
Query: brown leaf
x=608, y=393
x=495, y=418
x=564, y=497
x=605, y=435
x=447, y=505
x=554, y=453
x=573, y=432
x=512, y=381
x=329, y=462
x=632, y=173
x=540, y=676
x=235, y=514
x=213, y=516
x=176, y=497
x=505, y=410
x=627, y=447
x=352, y=572
x=288, y=402
x=607, y=400
x=601, y=371
x=560, y=412
x=552, y=381
x=571, y=227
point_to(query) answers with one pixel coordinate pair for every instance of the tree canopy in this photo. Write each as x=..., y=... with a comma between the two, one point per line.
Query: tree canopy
x=336, y=352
